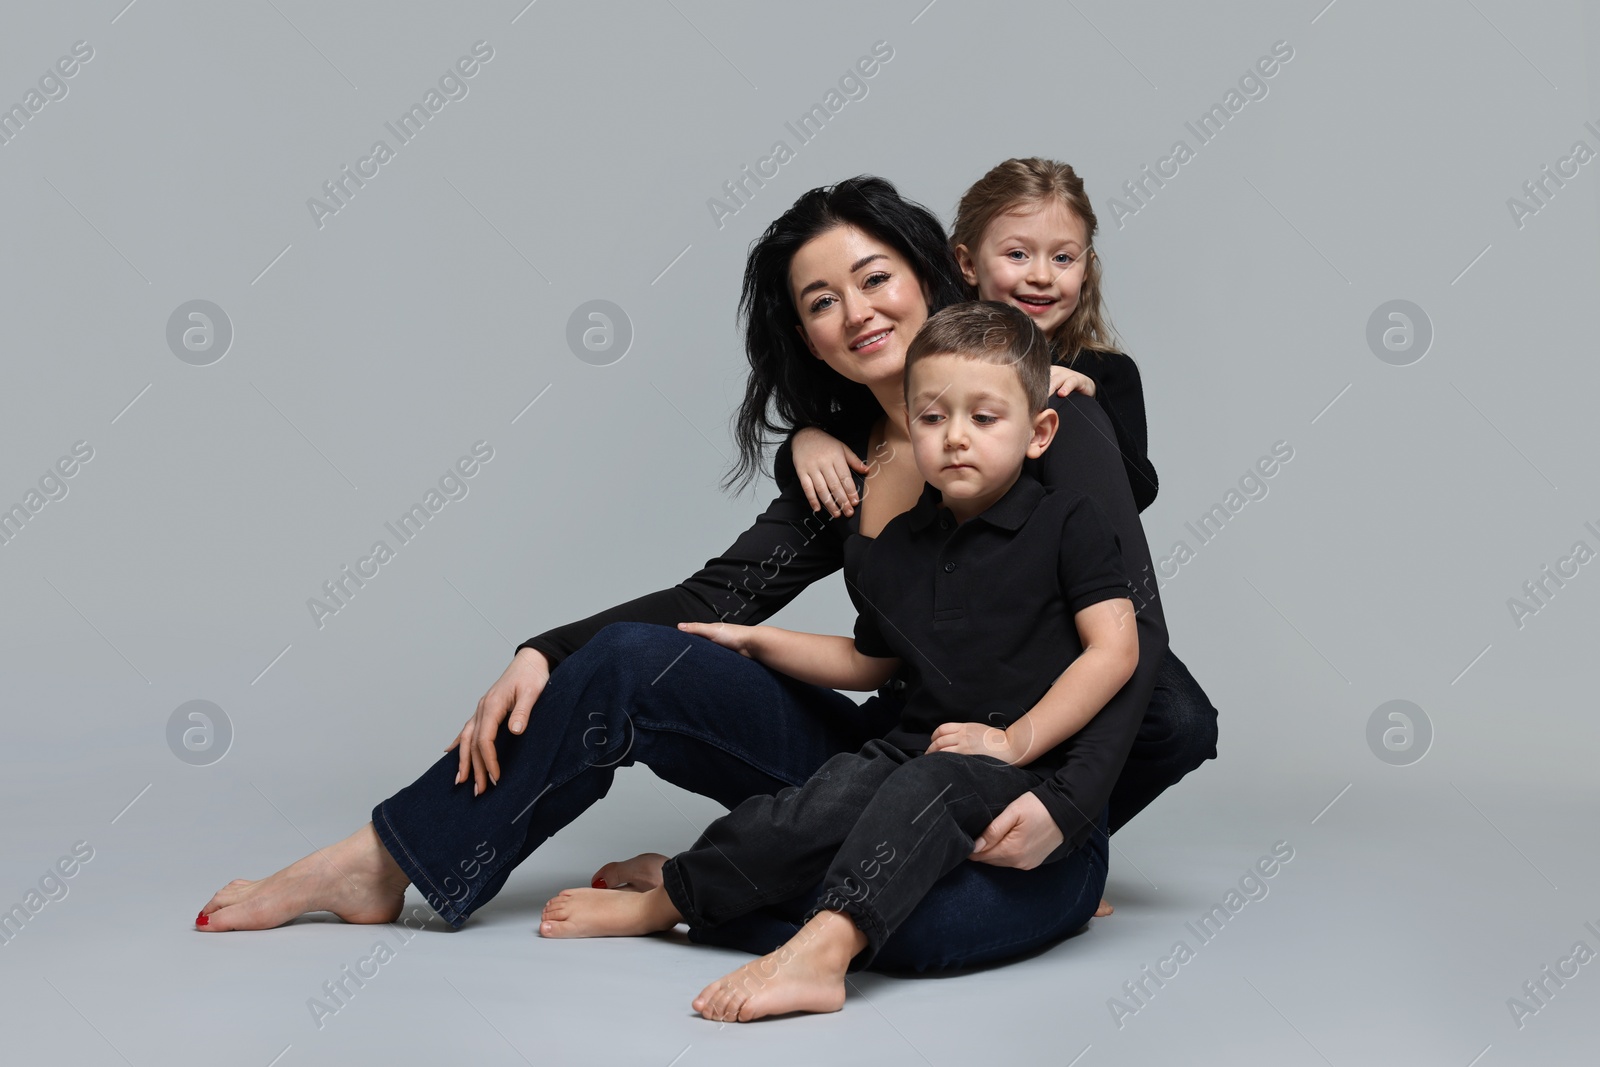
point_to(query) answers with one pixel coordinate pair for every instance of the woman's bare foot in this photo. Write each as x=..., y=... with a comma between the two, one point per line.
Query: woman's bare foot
x=602, y=913
x=355, y=879
x=1104, y=909
x=638, y=874
x=806, y=974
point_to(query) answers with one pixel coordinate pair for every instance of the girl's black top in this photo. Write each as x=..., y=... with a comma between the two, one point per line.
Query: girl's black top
x=1121, y=394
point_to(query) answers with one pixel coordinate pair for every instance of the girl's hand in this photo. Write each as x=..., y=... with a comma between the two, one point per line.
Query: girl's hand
x=1064, y=382
x=824, y=465
x=974, y=739
x=514, y=694
x=741, y=639
x=1021, y=836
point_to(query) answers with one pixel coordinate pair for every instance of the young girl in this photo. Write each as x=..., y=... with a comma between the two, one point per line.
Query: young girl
x=1024, y=235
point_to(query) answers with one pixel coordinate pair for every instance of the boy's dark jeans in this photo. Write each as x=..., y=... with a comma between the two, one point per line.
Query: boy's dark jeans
x=879, y=827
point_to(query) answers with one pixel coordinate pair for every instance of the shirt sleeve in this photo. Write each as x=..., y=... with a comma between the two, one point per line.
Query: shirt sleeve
x=1084, y=457
x=1120, y=391
x=1090, y=564
x=784, y=551
x=869, y=630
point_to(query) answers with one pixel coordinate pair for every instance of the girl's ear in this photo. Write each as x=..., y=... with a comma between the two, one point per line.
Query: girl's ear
x=1044, y=431
x=964, y=261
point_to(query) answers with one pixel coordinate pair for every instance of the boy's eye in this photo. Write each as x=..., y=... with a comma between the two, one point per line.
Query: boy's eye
x=985, y=420
x=930, y=417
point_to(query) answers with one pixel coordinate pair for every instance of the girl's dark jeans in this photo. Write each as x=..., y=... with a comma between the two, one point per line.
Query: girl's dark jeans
x=721, y=725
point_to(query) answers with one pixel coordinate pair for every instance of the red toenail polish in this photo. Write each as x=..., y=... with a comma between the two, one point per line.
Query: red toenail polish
x=599, y=883
x=203, y=920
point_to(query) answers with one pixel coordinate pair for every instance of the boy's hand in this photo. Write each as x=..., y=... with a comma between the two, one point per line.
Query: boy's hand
x=742, y=639
x=974, y=739
x=1064, y=382
x=824, y=465
x=1021, y=836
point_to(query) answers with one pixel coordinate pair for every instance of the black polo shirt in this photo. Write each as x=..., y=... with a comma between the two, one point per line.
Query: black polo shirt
x=981, y=612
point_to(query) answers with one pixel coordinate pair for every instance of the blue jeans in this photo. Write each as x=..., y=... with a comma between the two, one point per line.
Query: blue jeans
x=721, y=725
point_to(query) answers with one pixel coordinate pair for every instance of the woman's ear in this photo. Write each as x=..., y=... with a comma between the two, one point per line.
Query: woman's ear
x=806, y=338
x=1044, y=431
x=964, y=261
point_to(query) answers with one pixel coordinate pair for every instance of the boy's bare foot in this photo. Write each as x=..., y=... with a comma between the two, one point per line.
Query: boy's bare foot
x=602, y=913
x=1104, y=909
x=355, y=879
x=638, y=874
x=806, y=974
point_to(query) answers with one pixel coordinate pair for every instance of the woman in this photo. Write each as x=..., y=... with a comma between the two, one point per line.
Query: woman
x=833, y=293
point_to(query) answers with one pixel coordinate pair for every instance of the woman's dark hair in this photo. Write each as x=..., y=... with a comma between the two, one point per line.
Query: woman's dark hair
x=788, y=387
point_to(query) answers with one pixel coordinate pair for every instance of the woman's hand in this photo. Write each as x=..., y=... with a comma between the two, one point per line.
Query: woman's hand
x=742, y=639
x=1064, y=382
x=973, y=738
x=1021, y=836
x=515, y=693
x=824, y=465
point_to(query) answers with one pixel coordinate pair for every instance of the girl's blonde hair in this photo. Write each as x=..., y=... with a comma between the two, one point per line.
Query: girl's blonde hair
x=1028, y=183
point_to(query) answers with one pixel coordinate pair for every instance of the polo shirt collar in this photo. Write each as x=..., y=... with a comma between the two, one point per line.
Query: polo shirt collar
x=1008, y=513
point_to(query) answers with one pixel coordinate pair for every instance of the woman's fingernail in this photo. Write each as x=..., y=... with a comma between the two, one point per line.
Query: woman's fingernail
x=599, y=883
x=202, y=919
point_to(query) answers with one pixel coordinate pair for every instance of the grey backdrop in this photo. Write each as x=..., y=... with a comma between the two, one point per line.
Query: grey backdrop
x=372, y=348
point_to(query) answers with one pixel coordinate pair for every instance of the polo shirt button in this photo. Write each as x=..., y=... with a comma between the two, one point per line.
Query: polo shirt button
x=944, y=523
x=949, y=567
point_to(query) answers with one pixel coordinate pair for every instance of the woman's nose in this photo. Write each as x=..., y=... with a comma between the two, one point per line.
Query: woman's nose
x=857, y=309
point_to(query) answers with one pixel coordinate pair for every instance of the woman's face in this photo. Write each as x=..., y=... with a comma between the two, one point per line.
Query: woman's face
x=859, y=304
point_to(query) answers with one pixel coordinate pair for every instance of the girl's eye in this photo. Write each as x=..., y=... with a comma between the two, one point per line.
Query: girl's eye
x=1065, y=259
x=1016, y=255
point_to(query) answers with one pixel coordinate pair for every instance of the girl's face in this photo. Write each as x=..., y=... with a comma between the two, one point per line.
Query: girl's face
x=859, y=304
x=1033, y=258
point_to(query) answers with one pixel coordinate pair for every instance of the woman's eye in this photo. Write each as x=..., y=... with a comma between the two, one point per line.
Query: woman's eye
x=821, y=303
x=875, y=279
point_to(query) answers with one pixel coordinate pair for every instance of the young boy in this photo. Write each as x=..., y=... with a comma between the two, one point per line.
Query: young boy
x=987, y=590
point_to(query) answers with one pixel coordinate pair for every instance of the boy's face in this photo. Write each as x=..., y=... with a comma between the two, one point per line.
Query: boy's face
x=971, y=428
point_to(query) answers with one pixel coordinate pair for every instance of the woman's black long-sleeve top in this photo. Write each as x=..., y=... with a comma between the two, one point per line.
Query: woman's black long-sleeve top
x=789, y=547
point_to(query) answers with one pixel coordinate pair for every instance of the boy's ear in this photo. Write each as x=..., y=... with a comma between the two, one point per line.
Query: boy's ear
x=964, y=261
x=1045, y=425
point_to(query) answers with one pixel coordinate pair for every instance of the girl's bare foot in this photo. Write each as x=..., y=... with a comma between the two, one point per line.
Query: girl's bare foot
x=355, y=879
x=638, y=874
x=806, y=974
x=602, y=913
x=1104, y=909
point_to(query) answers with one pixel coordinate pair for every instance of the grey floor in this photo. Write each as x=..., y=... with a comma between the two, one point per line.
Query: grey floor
x=1412, y=909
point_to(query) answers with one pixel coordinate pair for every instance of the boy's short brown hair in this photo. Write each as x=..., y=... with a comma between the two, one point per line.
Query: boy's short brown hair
x=992, y=332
